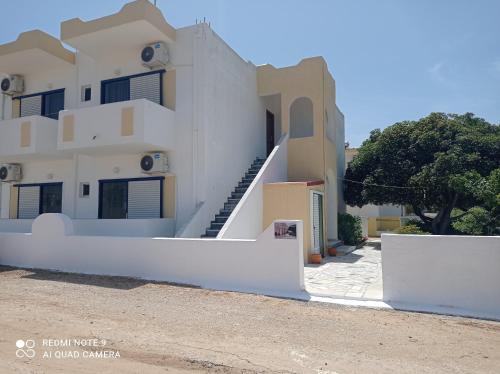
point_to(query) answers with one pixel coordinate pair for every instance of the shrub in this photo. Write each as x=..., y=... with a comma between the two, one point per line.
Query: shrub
x=476, y=221
x=350, y=229
x=411, y=228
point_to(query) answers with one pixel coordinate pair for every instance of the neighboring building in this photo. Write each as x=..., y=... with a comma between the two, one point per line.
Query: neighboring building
x=376, y=218
x=89, y=124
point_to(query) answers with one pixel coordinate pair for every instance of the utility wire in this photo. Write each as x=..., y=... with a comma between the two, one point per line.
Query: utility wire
x=380, y=185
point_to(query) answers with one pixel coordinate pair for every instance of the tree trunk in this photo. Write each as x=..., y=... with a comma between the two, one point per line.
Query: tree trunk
x=441, y=223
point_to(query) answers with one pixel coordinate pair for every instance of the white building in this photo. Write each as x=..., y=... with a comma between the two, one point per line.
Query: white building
x=80, y=124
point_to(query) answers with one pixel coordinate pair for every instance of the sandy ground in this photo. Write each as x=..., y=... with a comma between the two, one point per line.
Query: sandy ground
x=158, y=328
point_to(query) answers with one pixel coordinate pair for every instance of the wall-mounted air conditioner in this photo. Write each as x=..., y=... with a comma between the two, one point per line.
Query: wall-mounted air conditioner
x=155, y=55
x=154, y=162
x=12, y=84
x=10, y=173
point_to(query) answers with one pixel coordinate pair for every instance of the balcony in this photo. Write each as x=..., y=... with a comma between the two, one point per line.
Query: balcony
x=126, y=127
x=27, y=137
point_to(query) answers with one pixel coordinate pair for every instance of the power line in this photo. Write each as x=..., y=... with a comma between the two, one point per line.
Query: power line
x=380, y=185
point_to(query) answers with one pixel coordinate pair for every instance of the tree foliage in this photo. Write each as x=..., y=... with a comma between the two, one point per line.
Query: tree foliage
x=442, y=162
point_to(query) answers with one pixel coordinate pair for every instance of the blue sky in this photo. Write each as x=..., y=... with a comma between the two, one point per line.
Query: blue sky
x=393, y=60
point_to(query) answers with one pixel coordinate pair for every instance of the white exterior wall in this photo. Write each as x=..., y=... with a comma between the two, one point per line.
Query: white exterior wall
x=236, y=265
x=370, y=210
x=460, y=273
x=340, y=144
x=228, y=128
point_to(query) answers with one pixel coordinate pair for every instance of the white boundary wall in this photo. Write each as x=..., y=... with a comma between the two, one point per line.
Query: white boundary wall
x=246, y=219
x=461, y=273
x=265, y=265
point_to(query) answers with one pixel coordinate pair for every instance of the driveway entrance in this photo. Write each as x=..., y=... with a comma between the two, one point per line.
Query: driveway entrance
x=355, y=275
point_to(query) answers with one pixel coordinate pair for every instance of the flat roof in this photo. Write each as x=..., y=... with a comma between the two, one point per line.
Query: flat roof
x=33, y=51
x=136, y=24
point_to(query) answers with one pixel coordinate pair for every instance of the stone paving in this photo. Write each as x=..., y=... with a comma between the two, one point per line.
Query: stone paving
x=355, y=275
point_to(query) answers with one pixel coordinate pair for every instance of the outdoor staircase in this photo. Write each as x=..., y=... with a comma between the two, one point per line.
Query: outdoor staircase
x=221, y=218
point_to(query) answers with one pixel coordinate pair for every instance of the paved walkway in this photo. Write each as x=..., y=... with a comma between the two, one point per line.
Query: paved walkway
x=356, y=275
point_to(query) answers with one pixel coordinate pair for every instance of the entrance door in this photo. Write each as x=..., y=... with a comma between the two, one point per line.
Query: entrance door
x=114, y=196
x=269, y=132
x=317, y=222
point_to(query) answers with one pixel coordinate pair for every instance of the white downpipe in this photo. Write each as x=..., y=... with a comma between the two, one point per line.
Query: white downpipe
x=3, y=107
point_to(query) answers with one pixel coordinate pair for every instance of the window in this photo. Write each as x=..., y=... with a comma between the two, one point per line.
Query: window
x=84, y=189
x=131, y=198
x=36, y=199
x=51, y=198
x=47, y=104
x=86, y=94
x=301, y=118
x=52, y=104
x=141, y=86
x=115, y=91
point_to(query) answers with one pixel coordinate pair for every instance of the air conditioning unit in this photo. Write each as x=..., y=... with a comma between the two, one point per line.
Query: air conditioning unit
x=154, y=162
x=155, y=55
x=12, y=84
x=10, y=173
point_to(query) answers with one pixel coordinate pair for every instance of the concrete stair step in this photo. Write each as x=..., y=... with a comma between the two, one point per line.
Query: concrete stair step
x=216, y=225
x=212, y=233
x=334, y=243
x=345, y=249
x=220, y=219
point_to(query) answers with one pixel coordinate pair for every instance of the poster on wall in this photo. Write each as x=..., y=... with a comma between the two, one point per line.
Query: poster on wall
x=285, y=230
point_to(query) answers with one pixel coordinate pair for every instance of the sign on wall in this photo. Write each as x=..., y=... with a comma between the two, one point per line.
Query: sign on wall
x=285, y=230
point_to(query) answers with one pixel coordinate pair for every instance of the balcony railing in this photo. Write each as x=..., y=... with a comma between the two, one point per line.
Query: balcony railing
x=127, y=126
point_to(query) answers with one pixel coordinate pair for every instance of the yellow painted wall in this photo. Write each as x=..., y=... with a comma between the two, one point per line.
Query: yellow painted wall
x=169, y=196
x=302, y=80
x=14, y=193
x=385, y=223
x=291, y=201
x=169, y=89
x=309, y=158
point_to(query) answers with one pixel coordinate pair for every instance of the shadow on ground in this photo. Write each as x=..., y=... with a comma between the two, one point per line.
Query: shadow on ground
x=116, y=282
x=351, y=258
x=374, y=244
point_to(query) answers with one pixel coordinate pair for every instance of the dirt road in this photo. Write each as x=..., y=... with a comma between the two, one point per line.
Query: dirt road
x=155, y=328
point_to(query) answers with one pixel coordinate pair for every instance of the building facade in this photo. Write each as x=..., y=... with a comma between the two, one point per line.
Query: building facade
x=131, y=144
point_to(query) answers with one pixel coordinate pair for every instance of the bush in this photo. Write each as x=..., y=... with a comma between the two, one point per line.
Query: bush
x=411, y=228
x=476, y=221
x=350, y=229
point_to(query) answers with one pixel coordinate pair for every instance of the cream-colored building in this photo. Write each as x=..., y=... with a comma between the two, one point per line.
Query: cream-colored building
x=143, y=129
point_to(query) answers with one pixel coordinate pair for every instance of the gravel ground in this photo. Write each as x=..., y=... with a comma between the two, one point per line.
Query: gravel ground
x=157, y=327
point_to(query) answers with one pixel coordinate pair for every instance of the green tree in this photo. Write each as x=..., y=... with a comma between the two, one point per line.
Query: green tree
x=434, y=164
